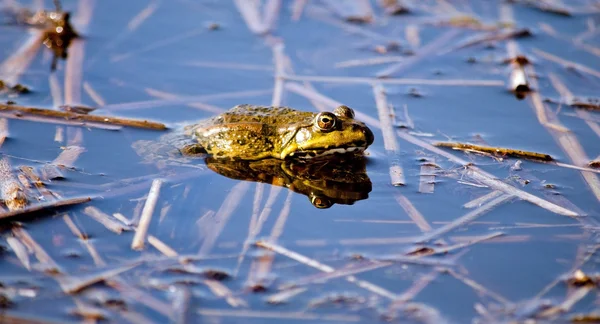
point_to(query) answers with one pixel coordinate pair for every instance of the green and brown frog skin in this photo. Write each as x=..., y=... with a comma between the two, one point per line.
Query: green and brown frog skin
x=324, y=182
x=248, y=132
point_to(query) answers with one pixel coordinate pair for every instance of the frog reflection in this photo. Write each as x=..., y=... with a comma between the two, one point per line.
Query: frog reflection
x=324, y=182
x=316, y=154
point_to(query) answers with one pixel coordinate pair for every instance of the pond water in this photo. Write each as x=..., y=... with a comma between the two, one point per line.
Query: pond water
x=223, y=250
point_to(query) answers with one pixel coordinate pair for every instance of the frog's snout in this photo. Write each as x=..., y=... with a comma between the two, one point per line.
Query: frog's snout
x=368, y=136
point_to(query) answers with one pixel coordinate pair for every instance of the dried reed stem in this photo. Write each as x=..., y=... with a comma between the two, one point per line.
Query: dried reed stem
x=142, y=228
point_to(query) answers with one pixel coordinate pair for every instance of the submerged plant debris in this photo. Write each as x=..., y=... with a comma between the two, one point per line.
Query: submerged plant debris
x=108, y=214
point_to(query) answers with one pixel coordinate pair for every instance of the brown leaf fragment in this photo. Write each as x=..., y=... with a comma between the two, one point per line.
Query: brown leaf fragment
x=209, y=273
x=338, y=299
x=593, y=317
x=580, y=278
x=421, y=251
x=394, y=7
x=355, y=11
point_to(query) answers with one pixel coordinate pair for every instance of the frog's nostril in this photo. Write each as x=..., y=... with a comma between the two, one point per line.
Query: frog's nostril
x=368, y=136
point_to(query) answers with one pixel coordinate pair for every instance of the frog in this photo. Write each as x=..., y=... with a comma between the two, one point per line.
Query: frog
x=249, y=132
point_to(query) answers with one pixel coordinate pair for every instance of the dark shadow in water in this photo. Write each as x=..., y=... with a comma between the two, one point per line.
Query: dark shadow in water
x=325, y=183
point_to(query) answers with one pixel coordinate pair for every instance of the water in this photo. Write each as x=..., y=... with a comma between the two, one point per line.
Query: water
x=158, y=67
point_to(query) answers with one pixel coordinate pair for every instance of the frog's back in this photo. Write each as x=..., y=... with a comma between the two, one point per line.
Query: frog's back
x=273, y=116
x=247, y=131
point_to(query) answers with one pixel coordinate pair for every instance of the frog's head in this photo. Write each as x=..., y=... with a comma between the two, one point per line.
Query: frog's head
x=329, y=133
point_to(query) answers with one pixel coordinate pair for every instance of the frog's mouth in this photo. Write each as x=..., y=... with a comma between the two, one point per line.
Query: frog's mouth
x=311, y=154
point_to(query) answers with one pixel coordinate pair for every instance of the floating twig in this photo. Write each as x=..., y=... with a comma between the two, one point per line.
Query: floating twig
x=96, y=97
x=495, y=37
x=222, y=291
x=40, y=254
x=566, y=63
x=167, y=41
x=161, y=246
x=186, y=99
x=271, y=13
x=427, y=177
x=142, y=228
x=255, y=228
x=182, y=297
x=568, y=38
x=519, y=83
x=3, y=130
x=357, y=11
x=567, y=96
x=394, y=7
x=12, y=68
x=11, y=192
x=37, y=182
x=279, y=315
x=467, y=218
x=413, y=213
x=218, y=222
x=20, y=251
x=108, y=221
x=483, y=199
x=324, y=15
x=567, y=304
x=389, y=139
x=370, y=81
x=312, y=94
x=425, y=251
x=44, y=206
x=251, y=15
x=297, y=9
x=489, y=180
x=351, y=269
x=369, y=61
x=265, y=262
x=72, y=284
x=284, y=296
x=325, y=268
x=567, y=141
x=198, y=105
x=278, y=60
x=19, y=110
x=139, y=296
x=498, y=151
x=431, y=48
x=85, y=241
x=252, y=227
x=547, y=6
x=479, y=288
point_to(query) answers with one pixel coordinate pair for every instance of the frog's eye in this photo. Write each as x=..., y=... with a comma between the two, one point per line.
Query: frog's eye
x=320, y=202
x=325, y=121
x=344, y=111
